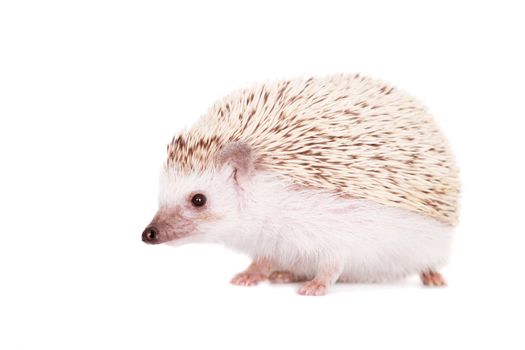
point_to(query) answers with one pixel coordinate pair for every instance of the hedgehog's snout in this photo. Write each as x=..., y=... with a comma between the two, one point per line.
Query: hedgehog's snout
x=150, y=234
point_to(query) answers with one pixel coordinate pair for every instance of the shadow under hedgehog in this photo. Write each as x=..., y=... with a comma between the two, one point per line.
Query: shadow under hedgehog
x=341, y=178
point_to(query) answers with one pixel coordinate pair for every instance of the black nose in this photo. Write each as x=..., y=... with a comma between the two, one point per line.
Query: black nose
x=150, y=234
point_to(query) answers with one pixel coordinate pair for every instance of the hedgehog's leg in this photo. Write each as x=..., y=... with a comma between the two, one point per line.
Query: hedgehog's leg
x=326, y=276
x=432, y=279
x=285, y=277
x=259, y=270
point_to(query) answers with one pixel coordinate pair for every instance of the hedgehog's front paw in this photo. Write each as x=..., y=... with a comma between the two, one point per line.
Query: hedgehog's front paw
x=313, y=287
x=248, y=278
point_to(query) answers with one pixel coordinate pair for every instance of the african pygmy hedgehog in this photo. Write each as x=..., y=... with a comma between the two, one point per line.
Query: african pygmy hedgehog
x=342, y=178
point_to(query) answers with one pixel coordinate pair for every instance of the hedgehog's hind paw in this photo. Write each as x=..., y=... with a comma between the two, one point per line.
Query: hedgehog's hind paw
x=432, y=278
x=313, y=287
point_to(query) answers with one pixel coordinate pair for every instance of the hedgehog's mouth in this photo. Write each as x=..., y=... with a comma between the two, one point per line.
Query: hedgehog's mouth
x=184, y=240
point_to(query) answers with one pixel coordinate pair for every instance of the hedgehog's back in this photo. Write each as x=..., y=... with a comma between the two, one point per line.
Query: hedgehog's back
x=345, y=133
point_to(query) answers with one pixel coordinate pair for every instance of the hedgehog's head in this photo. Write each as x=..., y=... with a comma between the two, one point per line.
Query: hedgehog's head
x=204, y=204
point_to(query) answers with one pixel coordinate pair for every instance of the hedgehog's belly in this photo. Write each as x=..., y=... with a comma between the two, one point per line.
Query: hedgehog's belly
x=375, y=242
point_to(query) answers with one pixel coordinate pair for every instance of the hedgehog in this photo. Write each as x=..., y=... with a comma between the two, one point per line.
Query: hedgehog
x=330, y=179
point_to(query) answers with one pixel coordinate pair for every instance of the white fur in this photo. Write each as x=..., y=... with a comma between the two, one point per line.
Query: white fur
x=306, y=230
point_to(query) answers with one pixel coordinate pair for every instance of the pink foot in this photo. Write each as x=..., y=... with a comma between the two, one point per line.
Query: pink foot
x=313, y=288
x=248, y=279
x=433, y=279
x=283, y=277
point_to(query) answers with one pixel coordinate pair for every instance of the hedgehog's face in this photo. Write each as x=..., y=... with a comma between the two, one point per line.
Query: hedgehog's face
x=198, y=206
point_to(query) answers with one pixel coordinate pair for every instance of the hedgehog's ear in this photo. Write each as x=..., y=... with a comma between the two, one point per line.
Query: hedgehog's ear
x=239, y=156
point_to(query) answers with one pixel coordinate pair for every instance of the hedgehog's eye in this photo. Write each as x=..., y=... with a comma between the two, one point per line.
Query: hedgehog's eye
x=198, y=200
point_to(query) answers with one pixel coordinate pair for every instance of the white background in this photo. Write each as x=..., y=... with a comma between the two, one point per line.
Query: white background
x=92, y=91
